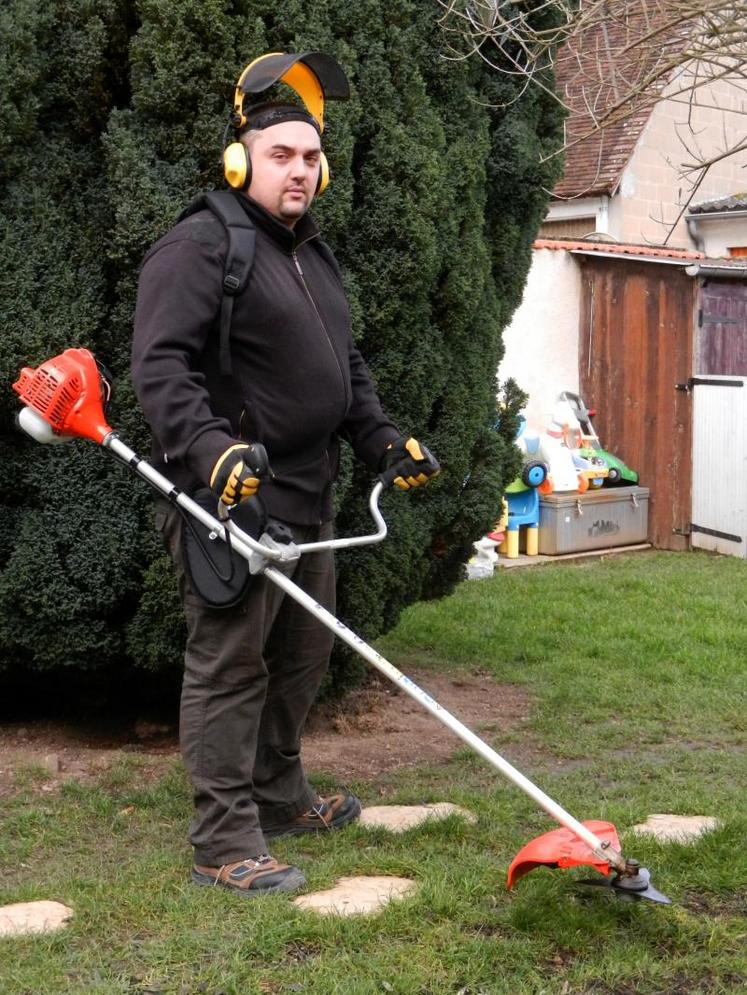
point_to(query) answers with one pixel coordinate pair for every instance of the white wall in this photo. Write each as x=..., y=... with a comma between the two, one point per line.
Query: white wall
x=542, y=340
x=652, y=188
x=718, y=235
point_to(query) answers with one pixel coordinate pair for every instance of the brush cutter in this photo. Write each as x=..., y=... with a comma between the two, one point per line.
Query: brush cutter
x=65, y=397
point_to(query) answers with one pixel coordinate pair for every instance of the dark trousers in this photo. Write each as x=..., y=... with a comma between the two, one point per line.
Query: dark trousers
x=251, y=673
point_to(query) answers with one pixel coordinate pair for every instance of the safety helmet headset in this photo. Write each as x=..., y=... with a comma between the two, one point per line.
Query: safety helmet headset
x=314, y=76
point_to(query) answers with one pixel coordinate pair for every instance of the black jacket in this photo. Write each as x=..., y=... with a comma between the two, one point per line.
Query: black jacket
x=297, y=383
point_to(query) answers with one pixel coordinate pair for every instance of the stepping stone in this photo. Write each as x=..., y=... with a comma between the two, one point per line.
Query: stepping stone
x=677, y=828
x=24, y=918
x=400, y=818
x=356, y=896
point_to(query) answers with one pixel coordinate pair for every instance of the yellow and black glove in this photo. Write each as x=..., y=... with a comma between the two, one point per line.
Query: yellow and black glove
x=238, y=473
x=407, y=463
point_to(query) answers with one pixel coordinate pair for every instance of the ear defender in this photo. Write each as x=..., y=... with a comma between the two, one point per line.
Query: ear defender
x=314, y=76
x=323, y=182
x=237, y=168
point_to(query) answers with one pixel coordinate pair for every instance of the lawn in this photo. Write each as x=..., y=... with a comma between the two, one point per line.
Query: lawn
x=635, y=667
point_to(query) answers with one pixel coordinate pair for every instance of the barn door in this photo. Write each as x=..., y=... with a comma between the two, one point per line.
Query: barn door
x=719, y=482
x=635, y=344
x=722, y=329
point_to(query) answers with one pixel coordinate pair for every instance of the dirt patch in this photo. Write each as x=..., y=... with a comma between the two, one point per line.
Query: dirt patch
x=712, y=904
x=379, y=728
x=42, y=755
x=679, y=983
x=374, y=730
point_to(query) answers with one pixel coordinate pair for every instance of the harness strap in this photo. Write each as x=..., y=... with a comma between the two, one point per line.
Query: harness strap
x=239, y=260
x=242, y=239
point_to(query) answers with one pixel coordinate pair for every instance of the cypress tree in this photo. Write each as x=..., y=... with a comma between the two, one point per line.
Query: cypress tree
x=434, y=201
x=67, y=584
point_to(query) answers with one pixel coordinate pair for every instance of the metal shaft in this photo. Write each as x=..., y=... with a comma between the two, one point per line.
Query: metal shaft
x=601, y=850
x=247, y=547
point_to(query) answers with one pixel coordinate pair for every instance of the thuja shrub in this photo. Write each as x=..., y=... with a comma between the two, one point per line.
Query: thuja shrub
x=113, y=122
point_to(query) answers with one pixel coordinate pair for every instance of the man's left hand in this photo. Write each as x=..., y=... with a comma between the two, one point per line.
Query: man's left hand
x=407, y=463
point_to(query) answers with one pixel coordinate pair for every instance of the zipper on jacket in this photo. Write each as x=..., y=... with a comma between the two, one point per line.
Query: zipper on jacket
x=321, y=322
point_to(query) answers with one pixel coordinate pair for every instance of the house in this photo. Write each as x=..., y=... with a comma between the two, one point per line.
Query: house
x=637, y=300
x=719, y=227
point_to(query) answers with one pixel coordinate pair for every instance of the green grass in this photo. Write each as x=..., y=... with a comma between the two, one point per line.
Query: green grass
x=636, y=670
x=633, y=650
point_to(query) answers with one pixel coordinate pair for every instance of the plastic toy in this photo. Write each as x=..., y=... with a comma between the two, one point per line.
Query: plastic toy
x=522, y=497
x=590, y=466
x=499, y=529
x=482, y=564
x=523, y=509
x=585, y=439
x=562, y=468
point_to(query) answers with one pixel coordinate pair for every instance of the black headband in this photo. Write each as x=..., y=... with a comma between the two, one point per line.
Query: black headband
x=266, y=115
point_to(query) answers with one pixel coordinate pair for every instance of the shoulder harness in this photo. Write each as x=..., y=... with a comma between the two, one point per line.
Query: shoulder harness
x=239, y=259
x=242, y=239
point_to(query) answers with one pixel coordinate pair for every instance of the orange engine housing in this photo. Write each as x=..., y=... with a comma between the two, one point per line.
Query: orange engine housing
x=69, y=393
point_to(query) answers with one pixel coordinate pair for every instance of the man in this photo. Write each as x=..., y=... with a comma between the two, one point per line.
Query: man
x=296, y=383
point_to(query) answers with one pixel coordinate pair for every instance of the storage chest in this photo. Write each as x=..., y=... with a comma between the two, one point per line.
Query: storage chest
x=614, y=516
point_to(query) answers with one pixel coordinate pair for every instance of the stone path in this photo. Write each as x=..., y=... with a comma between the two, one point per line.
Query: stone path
x=359, y=895
x=400, y=818
x=33, y=917
x=356, y=896
x=677, y=828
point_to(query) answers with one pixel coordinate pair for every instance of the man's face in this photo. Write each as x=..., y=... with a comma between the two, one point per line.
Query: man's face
x=285, y=168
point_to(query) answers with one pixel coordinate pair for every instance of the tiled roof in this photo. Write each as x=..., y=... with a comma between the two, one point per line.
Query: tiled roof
x=595, y=163
x=616, y=248
x=735, y=202
x=737, y=265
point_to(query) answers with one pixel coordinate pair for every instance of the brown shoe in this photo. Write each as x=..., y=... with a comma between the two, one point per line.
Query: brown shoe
x=251, y=877
x=329, y=813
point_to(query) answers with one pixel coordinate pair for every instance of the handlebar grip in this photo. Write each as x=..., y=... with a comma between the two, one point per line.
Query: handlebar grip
x=387, y=476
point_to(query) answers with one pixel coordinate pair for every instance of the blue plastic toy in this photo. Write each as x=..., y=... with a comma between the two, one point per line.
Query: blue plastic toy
x=523, y=509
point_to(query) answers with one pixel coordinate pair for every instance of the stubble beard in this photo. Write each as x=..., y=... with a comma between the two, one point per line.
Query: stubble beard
x=293, y=209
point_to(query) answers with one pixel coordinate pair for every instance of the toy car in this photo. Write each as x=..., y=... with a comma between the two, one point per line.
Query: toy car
x=587, y=442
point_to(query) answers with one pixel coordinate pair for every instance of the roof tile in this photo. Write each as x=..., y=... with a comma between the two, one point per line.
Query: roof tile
x=616, y=248
x=588, y=73
x=734, y=202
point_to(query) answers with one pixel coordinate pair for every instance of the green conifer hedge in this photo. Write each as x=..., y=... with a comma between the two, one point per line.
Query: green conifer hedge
x=111, y=120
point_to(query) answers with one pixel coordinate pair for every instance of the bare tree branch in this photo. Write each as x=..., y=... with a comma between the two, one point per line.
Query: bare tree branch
x=616, y=59
x=639, y=43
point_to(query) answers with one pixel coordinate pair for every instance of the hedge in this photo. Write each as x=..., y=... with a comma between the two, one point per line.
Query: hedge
x=112, y=120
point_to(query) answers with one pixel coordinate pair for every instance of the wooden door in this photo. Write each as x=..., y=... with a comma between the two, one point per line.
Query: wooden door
x=719, y=513
x=635, y=342
x=722, y=329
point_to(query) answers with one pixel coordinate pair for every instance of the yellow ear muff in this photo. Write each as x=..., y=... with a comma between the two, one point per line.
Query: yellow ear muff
x=237, y=166
x=323, y=181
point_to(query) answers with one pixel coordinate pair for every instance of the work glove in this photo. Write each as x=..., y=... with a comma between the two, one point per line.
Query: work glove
x=407, y=464
x=238, y=473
